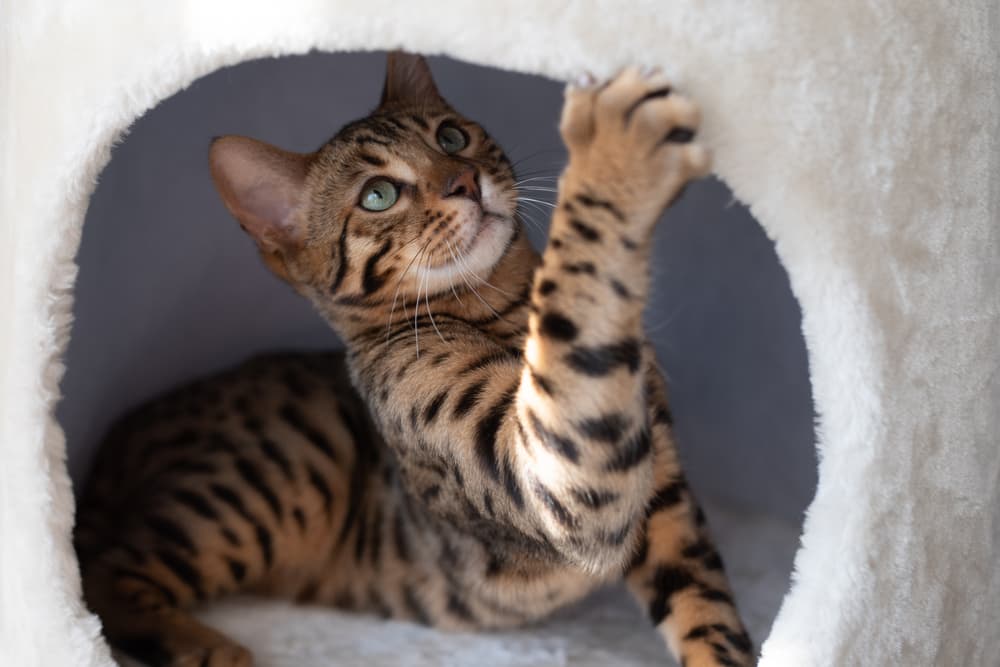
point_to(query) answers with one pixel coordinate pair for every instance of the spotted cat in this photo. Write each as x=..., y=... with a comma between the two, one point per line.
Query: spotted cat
x=494, y=443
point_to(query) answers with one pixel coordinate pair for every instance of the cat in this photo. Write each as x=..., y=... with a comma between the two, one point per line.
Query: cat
x=494, y=443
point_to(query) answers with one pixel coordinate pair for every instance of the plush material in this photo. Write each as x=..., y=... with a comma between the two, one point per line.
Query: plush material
x=863, y=135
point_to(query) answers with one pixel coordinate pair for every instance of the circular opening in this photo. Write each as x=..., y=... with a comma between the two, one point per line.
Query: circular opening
x=170, y=289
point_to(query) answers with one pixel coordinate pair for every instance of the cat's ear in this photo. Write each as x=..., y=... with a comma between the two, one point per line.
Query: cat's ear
x=264, y=188
x=408, y=80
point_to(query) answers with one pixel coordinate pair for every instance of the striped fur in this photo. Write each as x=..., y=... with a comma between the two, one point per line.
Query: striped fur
x=494, y=443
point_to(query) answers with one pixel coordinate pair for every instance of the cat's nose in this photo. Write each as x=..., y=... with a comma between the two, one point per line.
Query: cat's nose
x=465, y=183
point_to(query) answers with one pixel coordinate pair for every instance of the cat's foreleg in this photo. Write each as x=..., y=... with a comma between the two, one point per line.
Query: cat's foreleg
x=585, y=447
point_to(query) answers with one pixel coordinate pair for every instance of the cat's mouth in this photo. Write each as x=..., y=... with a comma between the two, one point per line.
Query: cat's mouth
x=473, y=259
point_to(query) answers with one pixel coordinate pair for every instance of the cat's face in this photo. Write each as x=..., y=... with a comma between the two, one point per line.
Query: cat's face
x=414, y=199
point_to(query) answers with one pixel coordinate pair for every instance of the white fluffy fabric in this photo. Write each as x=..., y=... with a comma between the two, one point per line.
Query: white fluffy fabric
x=865, y=138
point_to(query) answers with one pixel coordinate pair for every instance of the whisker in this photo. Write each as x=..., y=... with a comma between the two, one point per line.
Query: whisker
x=523, y=217
x=532, y=178
x=399, y=283
x=541, y=202
x=536, y=188
x=461, y=258
x=427, y=303
x=472, y=289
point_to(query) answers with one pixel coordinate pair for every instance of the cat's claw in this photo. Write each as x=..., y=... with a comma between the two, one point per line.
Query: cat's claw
x=634, y=135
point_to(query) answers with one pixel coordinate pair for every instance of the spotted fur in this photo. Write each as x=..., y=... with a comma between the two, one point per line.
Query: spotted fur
x=494, y=443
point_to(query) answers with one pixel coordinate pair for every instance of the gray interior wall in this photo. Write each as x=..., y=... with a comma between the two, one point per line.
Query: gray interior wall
x=170, y=288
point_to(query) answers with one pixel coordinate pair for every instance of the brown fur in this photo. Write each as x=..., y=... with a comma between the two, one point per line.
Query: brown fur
x=496, y=441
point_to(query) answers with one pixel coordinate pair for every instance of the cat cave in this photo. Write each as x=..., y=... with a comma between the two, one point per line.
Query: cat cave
x=862, y=138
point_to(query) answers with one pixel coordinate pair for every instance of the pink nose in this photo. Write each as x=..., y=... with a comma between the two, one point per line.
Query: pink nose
x=464, y=184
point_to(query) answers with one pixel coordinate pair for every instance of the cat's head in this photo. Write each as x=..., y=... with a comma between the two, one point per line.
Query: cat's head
x=412, y=197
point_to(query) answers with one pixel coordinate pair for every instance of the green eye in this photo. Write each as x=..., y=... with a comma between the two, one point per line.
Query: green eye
x=451, y=139
x=379, y=195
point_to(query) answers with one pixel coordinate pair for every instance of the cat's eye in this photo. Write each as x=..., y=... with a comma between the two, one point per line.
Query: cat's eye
x=379, y=195
x=451, y=139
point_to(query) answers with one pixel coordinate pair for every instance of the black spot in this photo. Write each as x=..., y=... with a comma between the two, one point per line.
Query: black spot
x=375, y=531
x=294, y=383
x=231, y=498
x=369, y=280
x=620, y=289
x=713, y=561
x=183, y=570
x=300, y=517
x=468, y=399
x=543, y=383
x=273, y=453
x=553, y=441
x=739, y=640
x=371, y=159
x=580, y=267
x=640, y=556
x=511, y=486
x=378, y=603
x=594, y=499
x=149, y=649
x=662, y=415
x=715, y=595
x=415, y=606
x=698, y=632
x=666, y=497
x=486, y=433
x=251, y=475
x=667, y=580
x=501, y=356
x=341, y=257
x=430, y=493
x=237, y=568
x=697, y=549
x=699, y=516
x=600, y=360
x=616, y=538
x=435, y=406
x=363, y=139
x=318, y=482
x=587, y=232
x=294, y=418
x=170, y=532
x=557, y=326
x=125, y=573
x=601, y=204
x=558, y=510
x=360, y=541
x=400, y=538
x=607, y=428
x=679, y=135
x=457, y=608
x=264, y=542
x=633, y=452
x=547, y=287
x=196, y=502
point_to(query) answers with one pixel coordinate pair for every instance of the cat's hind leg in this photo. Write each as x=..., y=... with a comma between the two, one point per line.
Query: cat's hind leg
x=145, y=613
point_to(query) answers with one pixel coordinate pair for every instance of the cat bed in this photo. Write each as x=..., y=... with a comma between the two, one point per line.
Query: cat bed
x=863, y=138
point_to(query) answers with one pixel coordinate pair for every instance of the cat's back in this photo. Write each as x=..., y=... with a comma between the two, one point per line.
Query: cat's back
x=261, y=423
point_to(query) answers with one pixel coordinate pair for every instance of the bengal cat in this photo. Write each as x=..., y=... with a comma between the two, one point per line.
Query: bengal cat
x=494, y=444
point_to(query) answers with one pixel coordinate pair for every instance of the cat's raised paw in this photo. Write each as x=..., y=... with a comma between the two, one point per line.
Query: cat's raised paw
x=635, y=134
